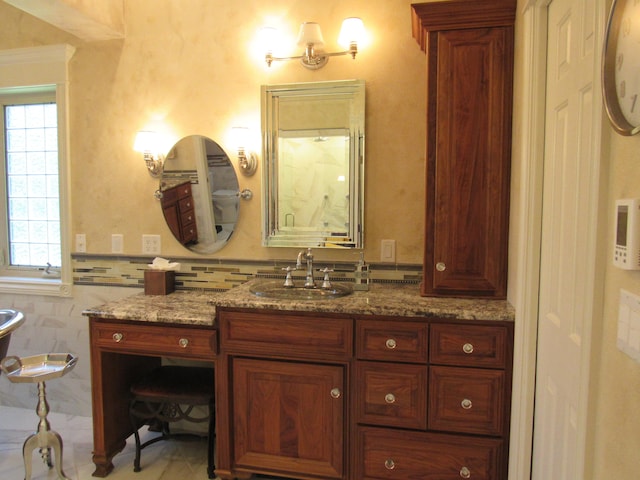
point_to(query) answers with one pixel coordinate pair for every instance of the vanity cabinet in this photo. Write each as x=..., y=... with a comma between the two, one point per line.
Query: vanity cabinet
x=282, y=394
x=336, y=396
x=432, y=399
x=469, y=48
x=179, y=212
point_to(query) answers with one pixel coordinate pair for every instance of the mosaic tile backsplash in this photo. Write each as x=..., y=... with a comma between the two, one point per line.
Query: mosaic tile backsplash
x=220, y=275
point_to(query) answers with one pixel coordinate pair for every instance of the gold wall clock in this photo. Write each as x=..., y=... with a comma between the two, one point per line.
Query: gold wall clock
x=621, y=67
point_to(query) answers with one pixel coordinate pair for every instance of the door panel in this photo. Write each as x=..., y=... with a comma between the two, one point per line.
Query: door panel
x=569, y=228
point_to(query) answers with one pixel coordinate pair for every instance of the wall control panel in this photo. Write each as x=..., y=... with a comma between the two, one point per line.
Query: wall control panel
x=626, y=249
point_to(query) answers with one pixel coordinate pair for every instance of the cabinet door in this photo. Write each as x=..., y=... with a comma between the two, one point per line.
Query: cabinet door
x=288, y=417
x=468, y=165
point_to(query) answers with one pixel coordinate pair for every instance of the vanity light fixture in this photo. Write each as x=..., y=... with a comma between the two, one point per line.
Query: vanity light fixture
x=147, y=143
x=247, y=160
x=310, y=37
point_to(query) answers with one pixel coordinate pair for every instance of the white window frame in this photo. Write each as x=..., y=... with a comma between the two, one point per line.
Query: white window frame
x=26, y=68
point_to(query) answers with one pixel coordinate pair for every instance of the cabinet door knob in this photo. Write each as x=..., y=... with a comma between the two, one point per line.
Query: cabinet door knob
x=391, y=343
x=335, y=393
x=390, y=398
x=441, y=267
x=467, y=348
x=389, y=464
x=465, y=472
x=183, y=342
x=117, y=337
x=466, y=404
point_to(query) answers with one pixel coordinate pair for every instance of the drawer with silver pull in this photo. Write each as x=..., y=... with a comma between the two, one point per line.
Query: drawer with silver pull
x=468, y=345
x=392, y=341
x=391, y=394
x=397, y=454
x=158, y=340
x=467, y=400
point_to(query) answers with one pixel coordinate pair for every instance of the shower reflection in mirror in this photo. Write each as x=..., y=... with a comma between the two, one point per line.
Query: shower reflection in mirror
x=313, y=177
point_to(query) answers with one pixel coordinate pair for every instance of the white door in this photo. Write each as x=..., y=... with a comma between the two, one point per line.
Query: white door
x=569, y=236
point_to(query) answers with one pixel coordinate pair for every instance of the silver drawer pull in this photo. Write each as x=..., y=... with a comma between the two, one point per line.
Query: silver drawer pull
x=391, y=343
x=441, y=266
x=117, y=337
x=465, y=472
x=335, y=393
x=466, y=404
x=183, y=342
x=467, y=348
x=389, y=464
x=390, y=398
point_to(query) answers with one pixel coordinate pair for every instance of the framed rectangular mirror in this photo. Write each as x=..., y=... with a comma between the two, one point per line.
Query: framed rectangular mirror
x=313, y=167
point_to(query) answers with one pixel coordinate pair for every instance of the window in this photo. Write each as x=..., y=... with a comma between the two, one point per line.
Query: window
x=32, y=189
x=34, y=171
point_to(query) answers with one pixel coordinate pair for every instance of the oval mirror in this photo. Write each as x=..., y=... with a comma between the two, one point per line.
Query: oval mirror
x=199, y=194
x=313, y=173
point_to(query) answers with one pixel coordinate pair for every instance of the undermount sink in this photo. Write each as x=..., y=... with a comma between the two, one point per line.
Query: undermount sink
x=276, y=289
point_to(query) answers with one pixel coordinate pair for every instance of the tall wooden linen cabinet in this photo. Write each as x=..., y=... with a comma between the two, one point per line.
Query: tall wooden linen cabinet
x=469, y=48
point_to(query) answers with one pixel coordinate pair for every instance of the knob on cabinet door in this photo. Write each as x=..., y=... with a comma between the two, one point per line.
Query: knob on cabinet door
x=441, y=267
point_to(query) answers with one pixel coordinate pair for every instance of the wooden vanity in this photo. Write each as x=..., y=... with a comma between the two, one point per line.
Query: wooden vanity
x=379, y=384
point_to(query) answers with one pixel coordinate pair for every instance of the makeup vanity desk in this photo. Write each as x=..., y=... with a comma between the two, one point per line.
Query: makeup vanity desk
x=402, y=384
x=129, y=338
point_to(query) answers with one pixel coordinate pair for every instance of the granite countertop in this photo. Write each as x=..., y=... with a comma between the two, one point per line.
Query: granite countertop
x=198, y=308
x=183, y=307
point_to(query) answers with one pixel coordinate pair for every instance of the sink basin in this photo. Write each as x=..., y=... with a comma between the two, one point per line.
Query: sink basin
x=9, y=321
x=275, y=289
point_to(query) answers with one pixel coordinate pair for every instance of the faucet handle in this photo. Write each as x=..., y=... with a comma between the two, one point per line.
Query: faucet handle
x=326, y=283
x=288, y=281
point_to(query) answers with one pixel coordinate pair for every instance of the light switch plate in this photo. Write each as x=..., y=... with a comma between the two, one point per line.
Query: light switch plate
x=628, y=339
x=388, y=251
x=117, y=243
x=81, y=243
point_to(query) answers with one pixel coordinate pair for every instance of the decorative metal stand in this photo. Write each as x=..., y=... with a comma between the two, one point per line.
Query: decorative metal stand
x=37, y=369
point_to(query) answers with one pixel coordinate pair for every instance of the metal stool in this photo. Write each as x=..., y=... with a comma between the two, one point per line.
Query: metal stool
x=169, y=394
x=38, y=369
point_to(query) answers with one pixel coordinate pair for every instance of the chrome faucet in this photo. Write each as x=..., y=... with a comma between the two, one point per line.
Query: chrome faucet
x=308, y=256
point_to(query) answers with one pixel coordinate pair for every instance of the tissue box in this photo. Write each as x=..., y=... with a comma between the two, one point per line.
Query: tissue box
x=159, y=282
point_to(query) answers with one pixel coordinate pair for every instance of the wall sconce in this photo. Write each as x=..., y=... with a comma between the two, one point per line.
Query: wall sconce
x=247, y=161
x=148, y=144
x=310, y=37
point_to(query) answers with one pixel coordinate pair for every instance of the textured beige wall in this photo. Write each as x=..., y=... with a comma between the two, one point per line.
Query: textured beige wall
x=616, y=377
x=195, y=71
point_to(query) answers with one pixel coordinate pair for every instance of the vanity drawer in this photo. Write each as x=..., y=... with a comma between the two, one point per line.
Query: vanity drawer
x=468, y=400
x=399, y=455
x=468, y=345
x=392, y=395
x=186, y=205
x=392, y=341
x=155, y=339
x=283, y=334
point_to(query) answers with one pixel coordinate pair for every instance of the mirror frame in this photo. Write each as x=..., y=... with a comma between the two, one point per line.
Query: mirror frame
x=272, y=233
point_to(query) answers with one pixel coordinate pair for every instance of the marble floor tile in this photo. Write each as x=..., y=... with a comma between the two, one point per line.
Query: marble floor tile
x=170, y=460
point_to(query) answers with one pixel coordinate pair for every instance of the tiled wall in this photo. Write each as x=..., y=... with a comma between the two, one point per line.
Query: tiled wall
x=216, y=274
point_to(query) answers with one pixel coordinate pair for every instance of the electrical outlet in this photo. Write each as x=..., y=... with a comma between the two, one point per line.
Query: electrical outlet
x=388, y=251
x=81, y=242
x=117, y=243
x=151, y=244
